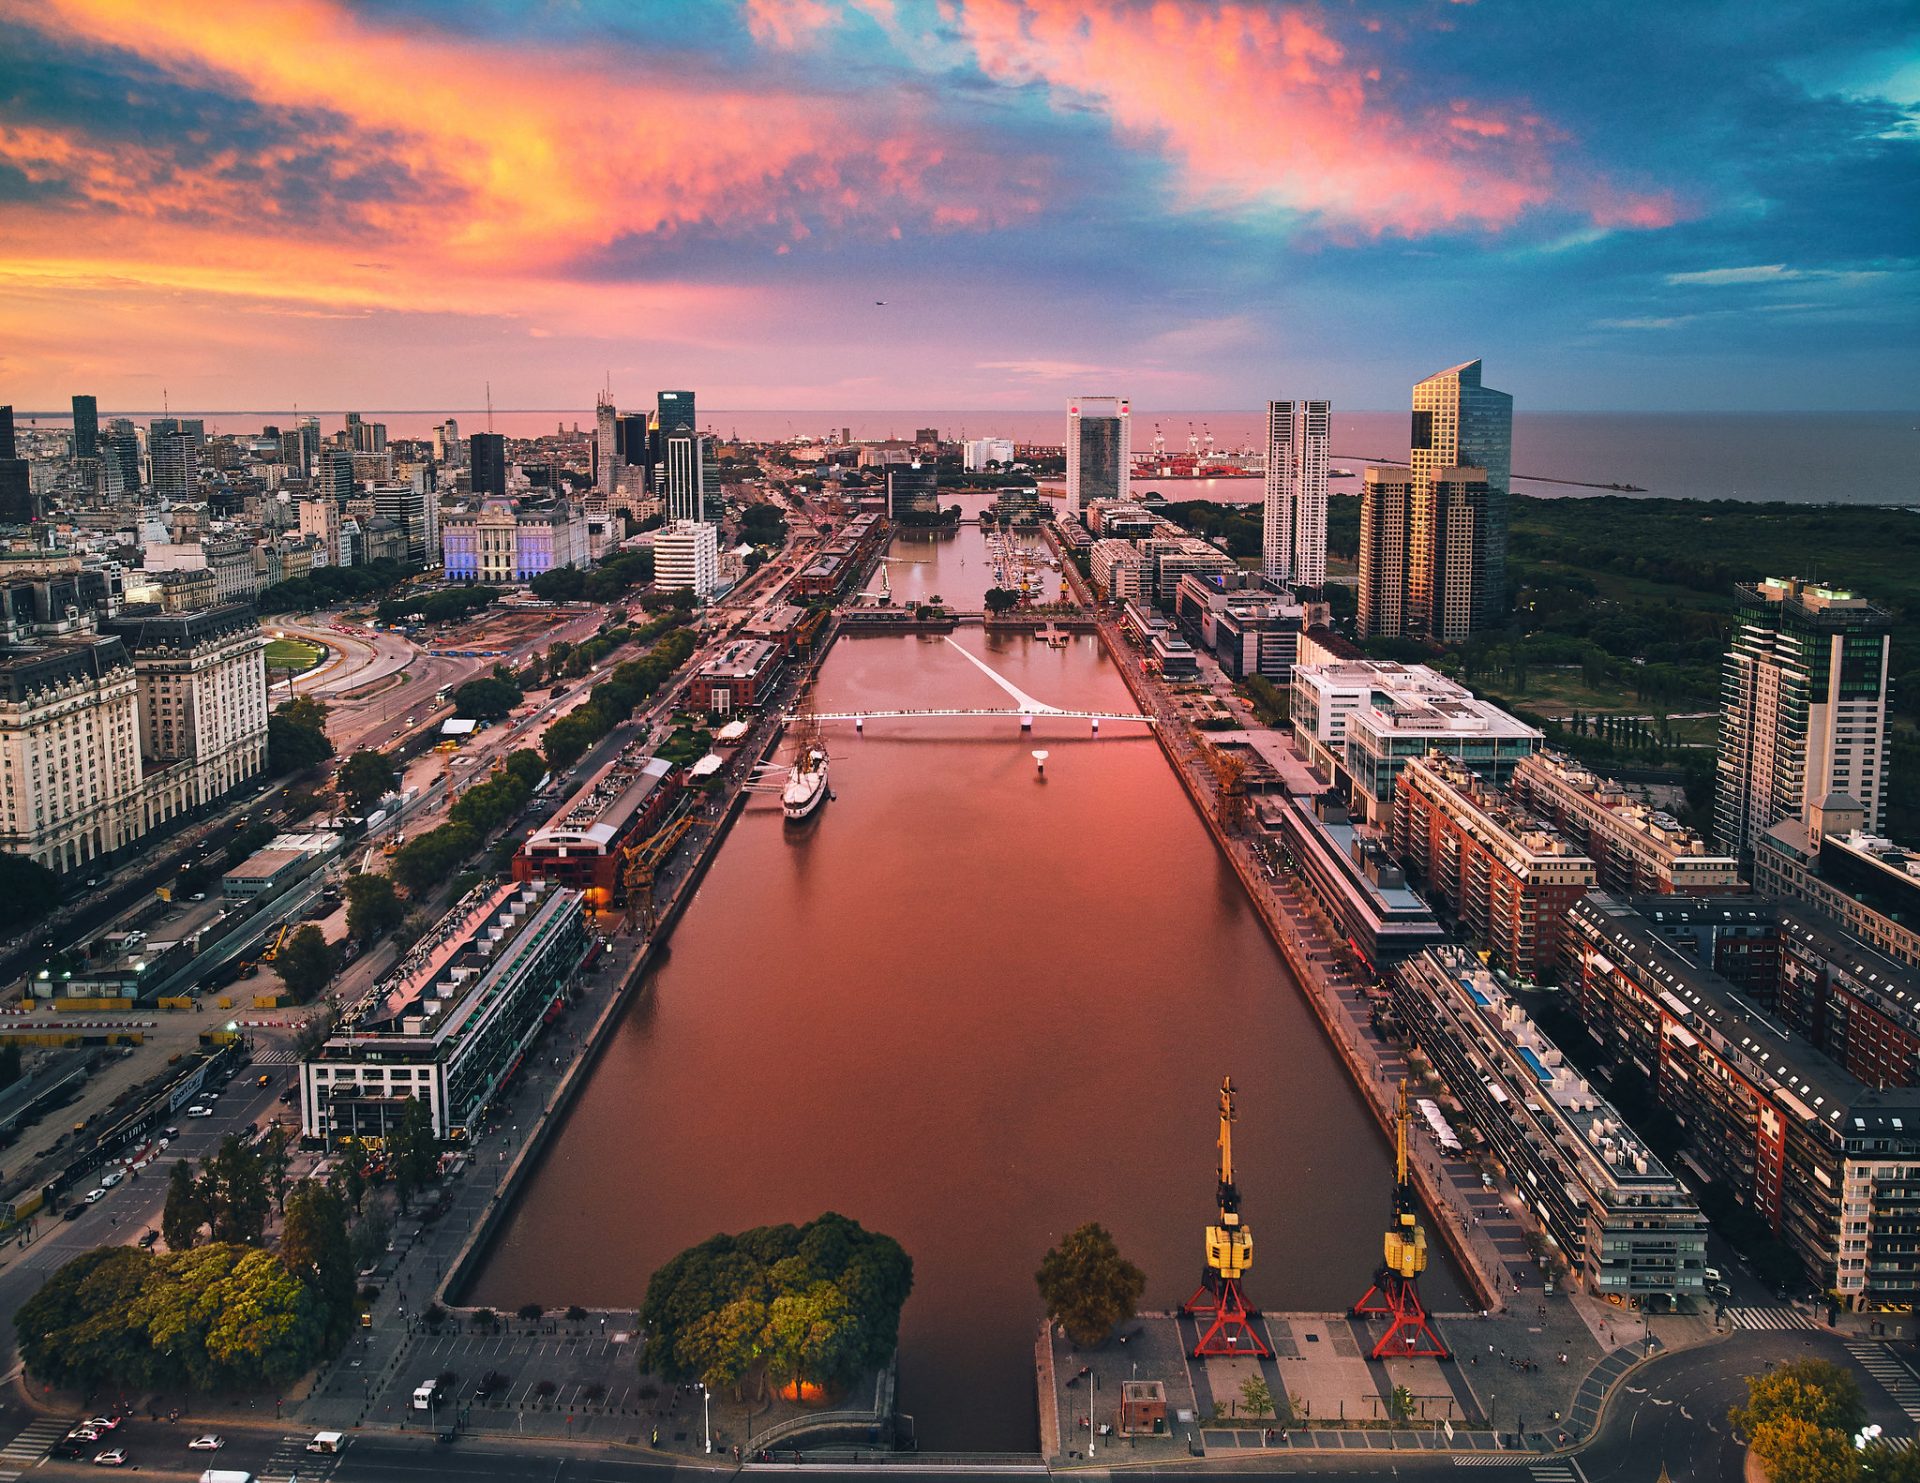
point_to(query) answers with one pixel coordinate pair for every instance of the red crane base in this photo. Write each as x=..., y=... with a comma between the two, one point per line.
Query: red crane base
x=1409, y=1335
x=1231, y=1332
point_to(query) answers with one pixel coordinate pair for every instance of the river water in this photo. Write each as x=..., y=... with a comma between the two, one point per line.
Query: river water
x=971, y=1008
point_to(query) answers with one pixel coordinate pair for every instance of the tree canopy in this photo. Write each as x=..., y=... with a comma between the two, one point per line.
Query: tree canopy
x=28, y=890
x=365, y=778
x=487, y=698
x=306, y=963
x=372, y=906
x=1799, y=1421
x=1088, y=1286
x=818, y=1303
x=297, y=736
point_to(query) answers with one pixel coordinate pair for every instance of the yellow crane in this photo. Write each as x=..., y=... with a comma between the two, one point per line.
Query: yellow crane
x=638, y=865
x=1229, y=1245
x=1395, y=1293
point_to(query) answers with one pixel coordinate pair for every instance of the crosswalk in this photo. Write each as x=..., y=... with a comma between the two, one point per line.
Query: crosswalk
x=1894, y=1377
x=1495, y=1460
x=1556, y=1472
x=1768, y=1318
x=275, y=1055
x=31, y=1445
x=290, y=1457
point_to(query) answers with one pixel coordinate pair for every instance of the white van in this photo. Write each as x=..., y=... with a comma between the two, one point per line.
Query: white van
x=328, y=1442
x=427, y=1396
x=226, y=1475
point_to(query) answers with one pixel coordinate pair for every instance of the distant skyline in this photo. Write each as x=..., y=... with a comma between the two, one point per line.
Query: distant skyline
x=978, y=204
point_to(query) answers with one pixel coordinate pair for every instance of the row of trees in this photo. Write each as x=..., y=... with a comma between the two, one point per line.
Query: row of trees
x=297, y=736
x=431, y=858
x=616, y=698
x=448, y=605
x=792, y=1305
x=218, y=1315
x=231, y=1197
x=615, y=575
x=326, y=586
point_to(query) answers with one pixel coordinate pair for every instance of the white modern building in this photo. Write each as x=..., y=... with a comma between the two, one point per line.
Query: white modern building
x=1099, y=450
x=686, y=558
x=979, y=452
x=1294, y=548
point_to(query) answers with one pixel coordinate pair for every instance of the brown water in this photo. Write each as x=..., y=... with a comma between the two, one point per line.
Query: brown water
x=971, y=1008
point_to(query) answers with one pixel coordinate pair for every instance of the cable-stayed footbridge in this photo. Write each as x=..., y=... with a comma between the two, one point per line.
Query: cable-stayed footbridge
x=1026, y=707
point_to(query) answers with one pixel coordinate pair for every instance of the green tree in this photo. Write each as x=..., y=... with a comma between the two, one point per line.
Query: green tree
x=186, y=1211
x=413, y=1152
x=28, y=891
x=809, y=1335
x=292, y=747
x=1257, y=1397
x=726, y=1345
x=364, y=779
x=486, y=699
x=306, y=963
x=1795, y=1450
x=1881, y=1462
x=315, y=1247
x=1814, y=1390
x=1002, y=599
x=424, y=862
x=527, y=765
x=372, y=906
x=1088, y=1286
x=74, y=1330
x=233, y=1187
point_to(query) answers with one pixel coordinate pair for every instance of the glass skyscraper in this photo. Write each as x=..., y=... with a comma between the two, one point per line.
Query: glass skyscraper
x=1099, y=453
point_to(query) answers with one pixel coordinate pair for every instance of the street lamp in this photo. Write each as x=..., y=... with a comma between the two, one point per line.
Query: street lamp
x=706, y=1413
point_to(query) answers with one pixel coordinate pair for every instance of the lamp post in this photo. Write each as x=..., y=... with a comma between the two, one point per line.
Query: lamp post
x=1093, y=1412
x=706, y=1413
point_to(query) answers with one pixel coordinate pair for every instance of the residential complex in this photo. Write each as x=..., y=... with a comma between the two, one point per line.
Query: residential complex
x=1870, y=885
x=450, y=1024
x=1803, y=709
x=1622, y=1222
x=1830, y=1163
x=1249, y=630
x=1294, y=518
x=1499, y=870
x=1386, y=499
x=1099, y=450
x=1636, y=850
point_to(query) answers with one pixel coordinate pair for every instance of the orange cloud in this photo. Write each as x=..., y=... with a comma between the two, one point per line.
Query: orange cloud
x=515, y=162
x=1267, y=108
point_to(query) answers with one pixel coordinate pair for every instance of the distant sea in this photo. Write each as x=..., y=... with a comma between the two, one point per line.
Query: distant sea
x=1800, y=457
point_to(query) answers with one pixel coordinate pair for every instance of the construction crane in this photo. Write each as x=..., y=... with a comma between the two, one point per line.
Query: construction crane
x=1395, y=1293
x=279, y=941
x=1159, y=446
x=1229, y=1254
x=1193, y=442
x=638, y=865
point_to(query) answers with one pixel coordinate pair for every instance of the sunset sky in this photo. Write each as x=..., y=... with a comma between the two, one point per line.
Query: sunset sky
x=1199, y=205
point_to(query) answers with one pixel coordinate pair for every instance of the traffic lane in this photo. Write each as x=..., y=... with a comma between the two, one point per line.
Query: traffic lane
x=159, y=1448
x=1674, y=1409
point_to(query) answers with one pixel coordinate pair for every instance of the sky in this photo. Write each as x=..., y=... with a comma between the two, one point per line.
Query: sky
x=958, y=203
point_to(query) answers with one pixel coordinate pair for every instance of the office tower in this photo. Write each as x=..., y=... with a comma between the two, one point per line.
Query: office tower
x=606, y=463
x=1295, y=546
x=8, y=449
x=1099, y=455
x=192, y=428
x=487, y=454
x=913, y=490
x=1803, y=709
x=120, y=463
x=17, y=505
x=676, y=414
x=335, y=476
x=309, y=443
x=1385, y=501
x=686, y=476
x=446, y=443
x=414, y=508
x=176, y=469
x=364, y=436
x=86, y=427
x=1458, y=425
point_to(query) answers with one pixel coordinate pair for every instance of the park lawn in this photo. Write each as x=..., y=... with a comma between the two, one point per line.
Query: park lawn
x=293, y=654
x=1561, y=690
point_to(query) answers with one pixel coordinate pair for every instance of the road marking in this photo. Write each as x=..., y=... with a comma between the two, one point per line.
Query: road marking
x=1769, y=1318
x=31, y=1445
x=1893, y=1375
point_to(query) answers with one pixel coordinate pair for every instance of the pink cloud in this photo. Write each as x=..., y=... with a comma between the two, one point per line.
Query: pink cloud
x=1264, y=107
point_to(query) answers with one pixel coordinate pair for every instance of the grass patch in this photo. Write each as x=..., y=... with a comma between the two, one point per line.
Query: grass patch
x=293, y=654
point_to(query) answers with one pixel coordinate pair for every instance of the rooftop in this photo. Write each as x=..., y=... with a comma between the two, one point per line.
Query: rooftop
x=742, y=659
x=1808, y=1082
x=598, y=813
x=1495, y=812
x=1658, y=827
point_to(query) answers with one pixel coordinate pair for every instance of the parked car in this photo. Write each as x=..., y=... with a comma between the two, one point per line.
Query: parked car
x=108, y=1181
x=113, y=1457
x=95, y=1196
x=199, y=1109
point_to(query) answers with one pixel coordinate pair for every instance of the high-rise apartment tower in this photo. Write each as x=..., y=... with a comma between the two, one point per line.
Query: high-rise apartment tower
x=1803, y=709
x=1457, y=531
x=86, y=427
x=1295, y=545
